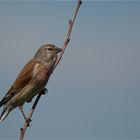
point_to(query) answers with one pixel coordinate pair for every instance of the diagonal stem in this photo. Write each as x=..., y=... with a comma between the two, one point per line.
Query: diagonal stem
x=67, y=39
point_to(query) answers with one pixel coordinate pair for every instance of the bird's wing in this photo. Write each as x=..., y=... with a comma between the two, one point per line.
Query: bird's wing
x=22, y=80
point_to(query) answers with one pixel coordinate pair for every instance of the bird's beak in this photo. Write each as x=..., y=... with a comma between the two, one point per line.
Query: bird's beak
x=58, y=49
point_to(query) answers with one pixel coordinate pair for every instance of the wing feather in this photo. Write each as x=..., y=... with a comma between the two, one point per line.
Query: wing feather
x=22, y=80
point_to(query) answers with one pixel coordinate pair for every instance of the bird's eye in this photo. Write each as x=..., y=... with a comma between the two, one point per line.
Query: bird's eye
x=49, y=49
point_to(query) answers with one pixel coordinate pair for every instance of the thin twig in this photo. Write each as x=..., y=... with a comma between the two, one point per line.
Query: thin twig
x=71, y=23
x=27, y=122
x=67, y=39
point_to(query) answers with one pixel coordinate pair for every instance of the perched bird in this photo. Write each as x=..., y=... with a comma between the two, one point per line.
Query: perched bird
x=31, y=80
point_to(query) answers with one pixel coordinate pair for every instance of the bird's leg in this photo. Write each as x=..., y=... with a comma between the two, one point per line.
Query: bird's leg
x=21, y=109
x=28, y=120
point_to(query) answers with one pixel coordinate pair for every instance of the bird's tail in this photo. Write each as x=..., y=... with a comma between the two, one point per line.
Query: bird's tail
x=5, y=112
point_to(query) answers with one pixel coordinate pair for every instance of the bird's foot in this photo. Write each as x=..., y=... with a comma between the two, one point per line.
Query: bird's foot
x=28, y=120
x=44, y=91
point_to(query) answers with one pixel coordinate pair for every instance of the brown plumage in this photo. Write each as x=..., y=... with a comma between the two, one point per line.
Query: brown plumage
x=31, y=80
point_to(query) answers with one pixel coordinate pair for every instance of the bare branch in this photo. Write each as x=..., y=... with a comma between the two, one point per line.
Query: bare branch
x=67, y=39
x=27, y=122
x=71, y=23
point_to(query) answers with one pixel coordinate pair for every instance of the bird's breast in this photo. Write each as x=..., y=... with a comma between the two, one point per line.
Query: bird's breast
x=42, y=72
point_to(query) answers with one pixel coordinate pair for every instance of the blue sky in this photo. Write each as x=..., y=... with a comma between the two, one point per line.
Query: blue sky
x=95, y=91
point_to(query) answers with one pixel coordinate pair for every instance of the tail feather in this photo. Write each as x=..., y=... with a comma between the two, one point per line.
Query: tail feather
x=4, y=100
x=4, y=113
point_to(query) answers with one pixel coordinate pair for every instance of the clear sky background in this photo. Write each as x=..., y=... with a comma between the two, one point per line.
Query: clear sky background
x=95, y=90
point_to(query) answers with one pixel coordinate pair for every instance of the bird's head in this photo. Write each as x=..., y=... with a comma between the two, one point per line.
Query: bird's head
x=47, y=52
